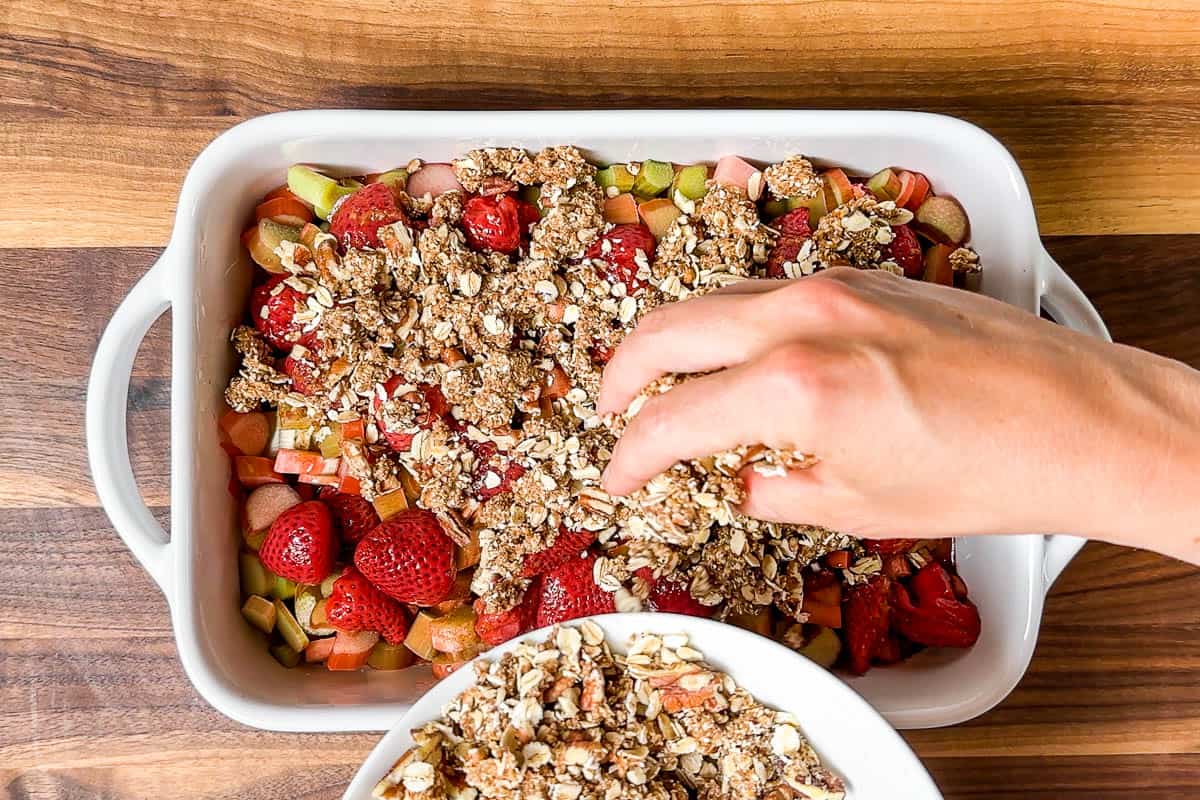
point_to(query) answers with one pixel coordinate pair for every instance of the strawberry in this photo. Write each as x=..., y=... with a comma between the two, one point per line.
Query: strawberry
x=409, y=558
x=617, y=250
x=303, y=372
x=490, y=465
x=352, y=513
x=356, y=605
x=794, y=230
x=430, y=405
x=889, y=547
x=905, y=250
x=567, y=545
x=497, y=222
x=600, y=354
x=498, y=628
x=359, y=216
x=278, y=323
x=938, y=618
x=669, y=593
x=570, y=592
x=866, y=618
x=301, y=544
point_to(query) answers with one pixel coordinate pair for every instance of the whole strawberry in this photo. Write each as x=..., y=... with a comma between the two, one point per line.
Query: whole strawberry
x=567, y=545
x=570, y=592
x=301, y=545
x=359, y=216
x=617, y=253
x=670, y=594
x=409, y=558
x=353, y=514
x=497, y=222
x=356, y=605
x=905, y=250
x=274, y=305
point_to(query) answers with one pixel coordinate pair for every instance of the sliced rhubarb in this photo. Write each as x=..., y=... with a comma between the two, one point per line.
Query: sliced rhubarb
x=824, y=648
x=734, y=171
x=758, y=622
x=289, y=628
x=260, y=612
x=659, y=215
x=914, y=189
x=253, y=575
x=467, y=555
x=885, y=184
x=419, y=639
x=691, y=182
x=386, y=656
x=390, y=504
x=837, y=187
x=653, y=178
x=304, y=462
x=943, y=220
x=433, y=180
x=284, y=210
x=266, y=503
x=351, y=650
x=319, y=191
x=937, y=265
x=395, y=179
x=454, y=631
x=254, y=471
x=621, y=210
x=282, y=588
x=286, y=655
x=318, y=650
x=615, y=175
x=249, y=432
x=444, y=664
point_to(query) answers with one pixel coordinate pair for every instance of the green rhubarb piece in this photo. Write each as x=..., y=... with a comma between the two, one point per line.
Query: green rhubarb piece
x=617, y=175
x=389, y=656
x=824, y=648
x=815, y=205
x=254, y=539
x=533, y=196
x=691, y=182
x=885, y=184
x=331, y=445
x=775, y=208
x=653, y=178
x=285, y=655
x=327, y=584
x=396, y=179
x=312, y=187
x=254, y=575
x=283, y=589
x=272, y=233
x=260, y=612
x=353, y=184
x=289, y=628
x=307, y=598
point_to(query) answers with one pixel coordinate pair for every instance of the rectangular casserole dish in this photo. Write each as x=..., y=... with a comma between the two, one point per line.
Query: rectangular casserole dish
x=203, y=276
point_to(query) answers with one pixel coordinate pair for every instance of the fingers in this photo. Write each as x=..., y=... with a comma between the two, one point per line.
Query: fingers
x=699, y=335
x=770, y=400
x=797, y=497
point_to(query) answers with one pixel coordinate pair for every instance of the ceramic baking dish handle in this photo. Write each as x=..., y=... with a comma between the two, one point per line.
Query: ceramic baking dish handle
x=1070, y=307
x=108, y=447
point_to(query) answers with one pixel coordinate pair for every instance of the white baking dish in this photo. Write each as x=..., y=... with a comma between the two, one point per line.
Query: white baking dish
x=203, y=276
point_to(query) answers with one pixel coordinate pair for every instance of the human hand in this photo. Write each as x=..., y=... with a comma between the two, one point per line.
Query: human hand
x=932, y=411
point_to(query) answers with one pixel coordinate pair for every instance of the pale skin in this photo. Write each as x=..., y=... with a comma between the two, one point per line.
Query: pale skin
x=933, y=411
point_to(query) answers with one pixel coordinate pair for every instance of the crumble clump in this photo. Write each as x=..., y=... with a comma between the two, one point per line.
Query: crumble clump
x=857, y=234
x=571, y=719
x=792, y=177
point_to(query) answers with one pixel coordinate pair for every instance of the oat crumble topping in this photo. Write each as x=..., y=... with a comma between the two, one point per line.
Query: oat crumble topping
x=792, y=177
x=570, y=719
x=493, y=333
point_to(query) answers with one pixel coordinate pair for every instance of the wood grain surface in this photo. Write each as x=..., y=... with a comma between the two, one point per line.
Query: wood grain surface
x=104, y=103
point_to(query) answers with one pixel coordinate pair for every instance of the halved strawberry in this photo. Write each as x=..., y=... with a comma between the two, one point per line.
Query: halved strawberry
x=356, y=605
x=889, y=547
x=299, y=366
x=617, y=253
x=794, y=229
x=429, y=405
x=353, y=514
x=359, y=216
x=273, y=306
x=496, y=222
x=669, y=593
x=905, y=250
x=567, y=545
x=866, y=618
x=494, y=471
x=409, y=557
x=498, y=628
x=570, y=592
x=301, y=544
x=938, y=618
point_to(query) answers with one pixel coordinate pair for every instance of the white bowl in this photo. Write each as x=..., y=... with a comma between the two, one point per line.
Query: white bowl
x=203, y=276
x=851, y=738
